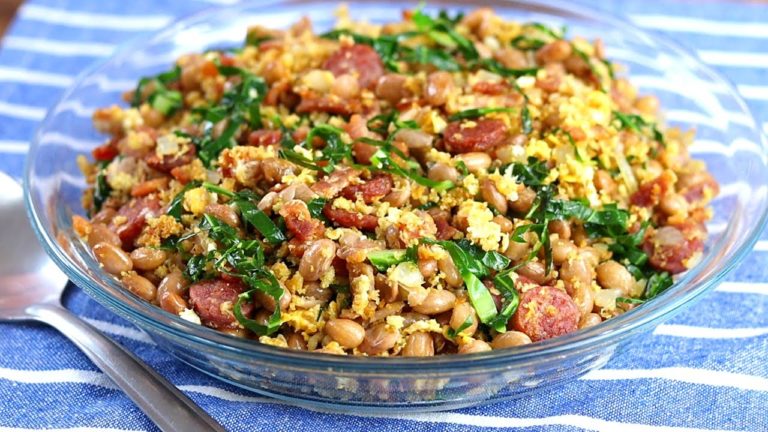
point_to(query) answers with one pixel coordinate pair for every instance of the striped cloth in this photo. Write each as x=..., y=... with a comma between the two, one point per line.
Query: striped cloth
x=707, y=369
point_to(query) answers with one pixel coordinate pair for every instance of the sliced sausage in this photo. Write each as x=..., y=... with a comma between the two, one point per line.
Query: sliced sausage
x=545, y=312
x=106, y=152
x=331, y=185
x=361, y=61
x=670, y=249
x=349, y=219
x=213, y=301
x=474, y=136
x=649, y=194
x=132, y=217
x=377, y=187
x=312, y=101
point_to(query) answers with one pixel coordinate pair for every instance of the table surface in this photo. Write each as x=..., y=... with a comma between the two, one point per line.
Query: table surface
x=706, y=369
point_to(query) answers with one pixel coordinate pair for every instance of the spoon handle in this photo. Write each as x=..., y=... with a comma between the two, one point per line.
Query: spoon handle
x=163, y=403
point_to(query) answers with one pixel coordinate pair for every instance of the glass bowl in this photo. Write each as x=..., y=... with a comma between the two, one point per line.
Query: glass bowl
x=691, y=94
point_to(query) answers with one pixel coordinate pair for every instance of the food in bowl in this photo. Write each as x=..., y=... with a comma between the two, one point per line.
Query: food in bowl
x=444, y=184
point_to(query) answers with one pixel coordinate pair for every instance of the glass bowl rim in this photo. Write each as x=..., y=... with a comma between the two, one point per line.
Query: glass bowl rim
x=154, y=318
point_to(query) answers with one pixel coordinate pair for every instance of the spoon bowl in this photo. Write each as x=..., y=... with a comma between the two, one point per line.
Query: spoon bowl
x=30, y=289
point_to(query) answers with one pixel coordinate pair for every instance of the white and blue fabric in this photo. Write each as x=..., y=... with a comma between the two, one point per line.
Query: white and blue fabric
x=705, y=370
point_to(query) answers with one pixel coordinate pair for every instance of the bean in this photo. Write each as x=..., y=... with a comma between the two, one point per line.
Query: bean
x=392, y=237
x=492, y=196
x=169, y=291
x=509, y=339
x=391, y=87
x=104, y=216
x=296, y=341
x=561, y=228
x=316, y=291
x=591, y=256
x=378, y=339
x=274, y=169
x=419, y=344
x=475, y=346
x=388, y=290
x=517, y=251
x=439, y=87
x=399, y=197
x=579, y=235
x=584, y=298
x=575, y=271
x=441, y=171
x=554, y=52
x=506, y=225
x=262, y=317
x=611, y=274
x=414, y=138
x=437, y=301
x=604, y=182
x=674, y=204
x=428, y=267
x=561, y=250
x=345, y=86
x=524, y=201
x=535, y=271
x=346, y=332
x=511, y=58
x=268, y=302
x=100, y=233
x=317, y=259
x=452, y=275
x=475, y=161
x=146, y=258
x=462, y=312
x=590, y=320
x=225, y=213
x=140, y=286
x=113, y=259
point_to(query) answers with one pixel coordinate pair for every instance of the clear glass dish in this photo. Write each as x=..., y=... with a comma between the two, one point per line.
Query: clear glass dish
x=691, y=94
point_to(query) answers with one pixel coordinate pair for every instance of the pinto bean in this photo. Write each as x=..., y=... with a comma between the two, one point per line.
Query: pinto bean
x=145, y=258
x=391, y=88
x=575, y=271
x=223, y=212
x=535, y=271
x=140, y=286
x=317, y=259
x=475, y=346
x=419, y=344
x=590, y=320
x=561, y=228
x=525, y=198
x=113, y=259
x=561, y=250
x=492, y=196
x=611, y=274
x=414, y=139
x=475, y=161
x=554, y=52
x=436, y=302
x=100, y=233
x=462, y=312
x=452, y=275
x=439, y=87
x=510, y=338
x=378, y=339
x=348, y=333
x=428, y=267
x=441, y=172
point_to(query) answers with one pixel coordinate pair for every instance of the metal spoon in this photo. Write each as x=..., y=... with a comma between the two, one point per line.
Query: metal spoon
x=30, y=289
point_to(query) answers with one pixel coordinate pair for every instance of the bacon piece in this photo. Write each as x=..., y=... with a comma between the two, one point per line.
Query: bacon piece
x=375, y=188
x=350, y=219
x=131, y=218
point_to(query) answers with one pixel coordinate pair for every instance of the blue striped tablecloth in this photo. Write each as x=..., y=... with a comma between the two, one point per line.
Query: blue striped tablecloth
x=707, y=369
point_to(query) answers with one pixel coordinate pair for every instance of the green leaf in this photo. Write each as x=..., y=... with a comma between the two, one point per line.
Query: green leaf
x=657, y=283
x=452, y=333
x=316, y=206
x=384, y=259
x=477, y=112
x=101, y=188
x=495, y=260
x=175, y=207
x=506, y=286
x=629, y=300
x=260, y=221
x=637, y=123
x=480, y=298
x=525, y=119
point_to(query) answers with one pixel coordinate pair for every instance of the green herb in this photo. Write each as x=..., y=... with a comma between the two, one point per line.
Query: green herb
x=240, y=104
x=161, y=99
x=532, y=174
x=101, y=188
x=657, y=283
x=629, y=300
x=243, y=259
x=506, y=286
x=452, y=333
x=384, y=259
x=637, y=124
x=316, y=207
x=477, y=112
x=253, y=39
x=537, y=35
x=494, y=66
x=442, y=31
x=334, y=152
x=175, y=207
x=244, y=201
x=525, y=119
